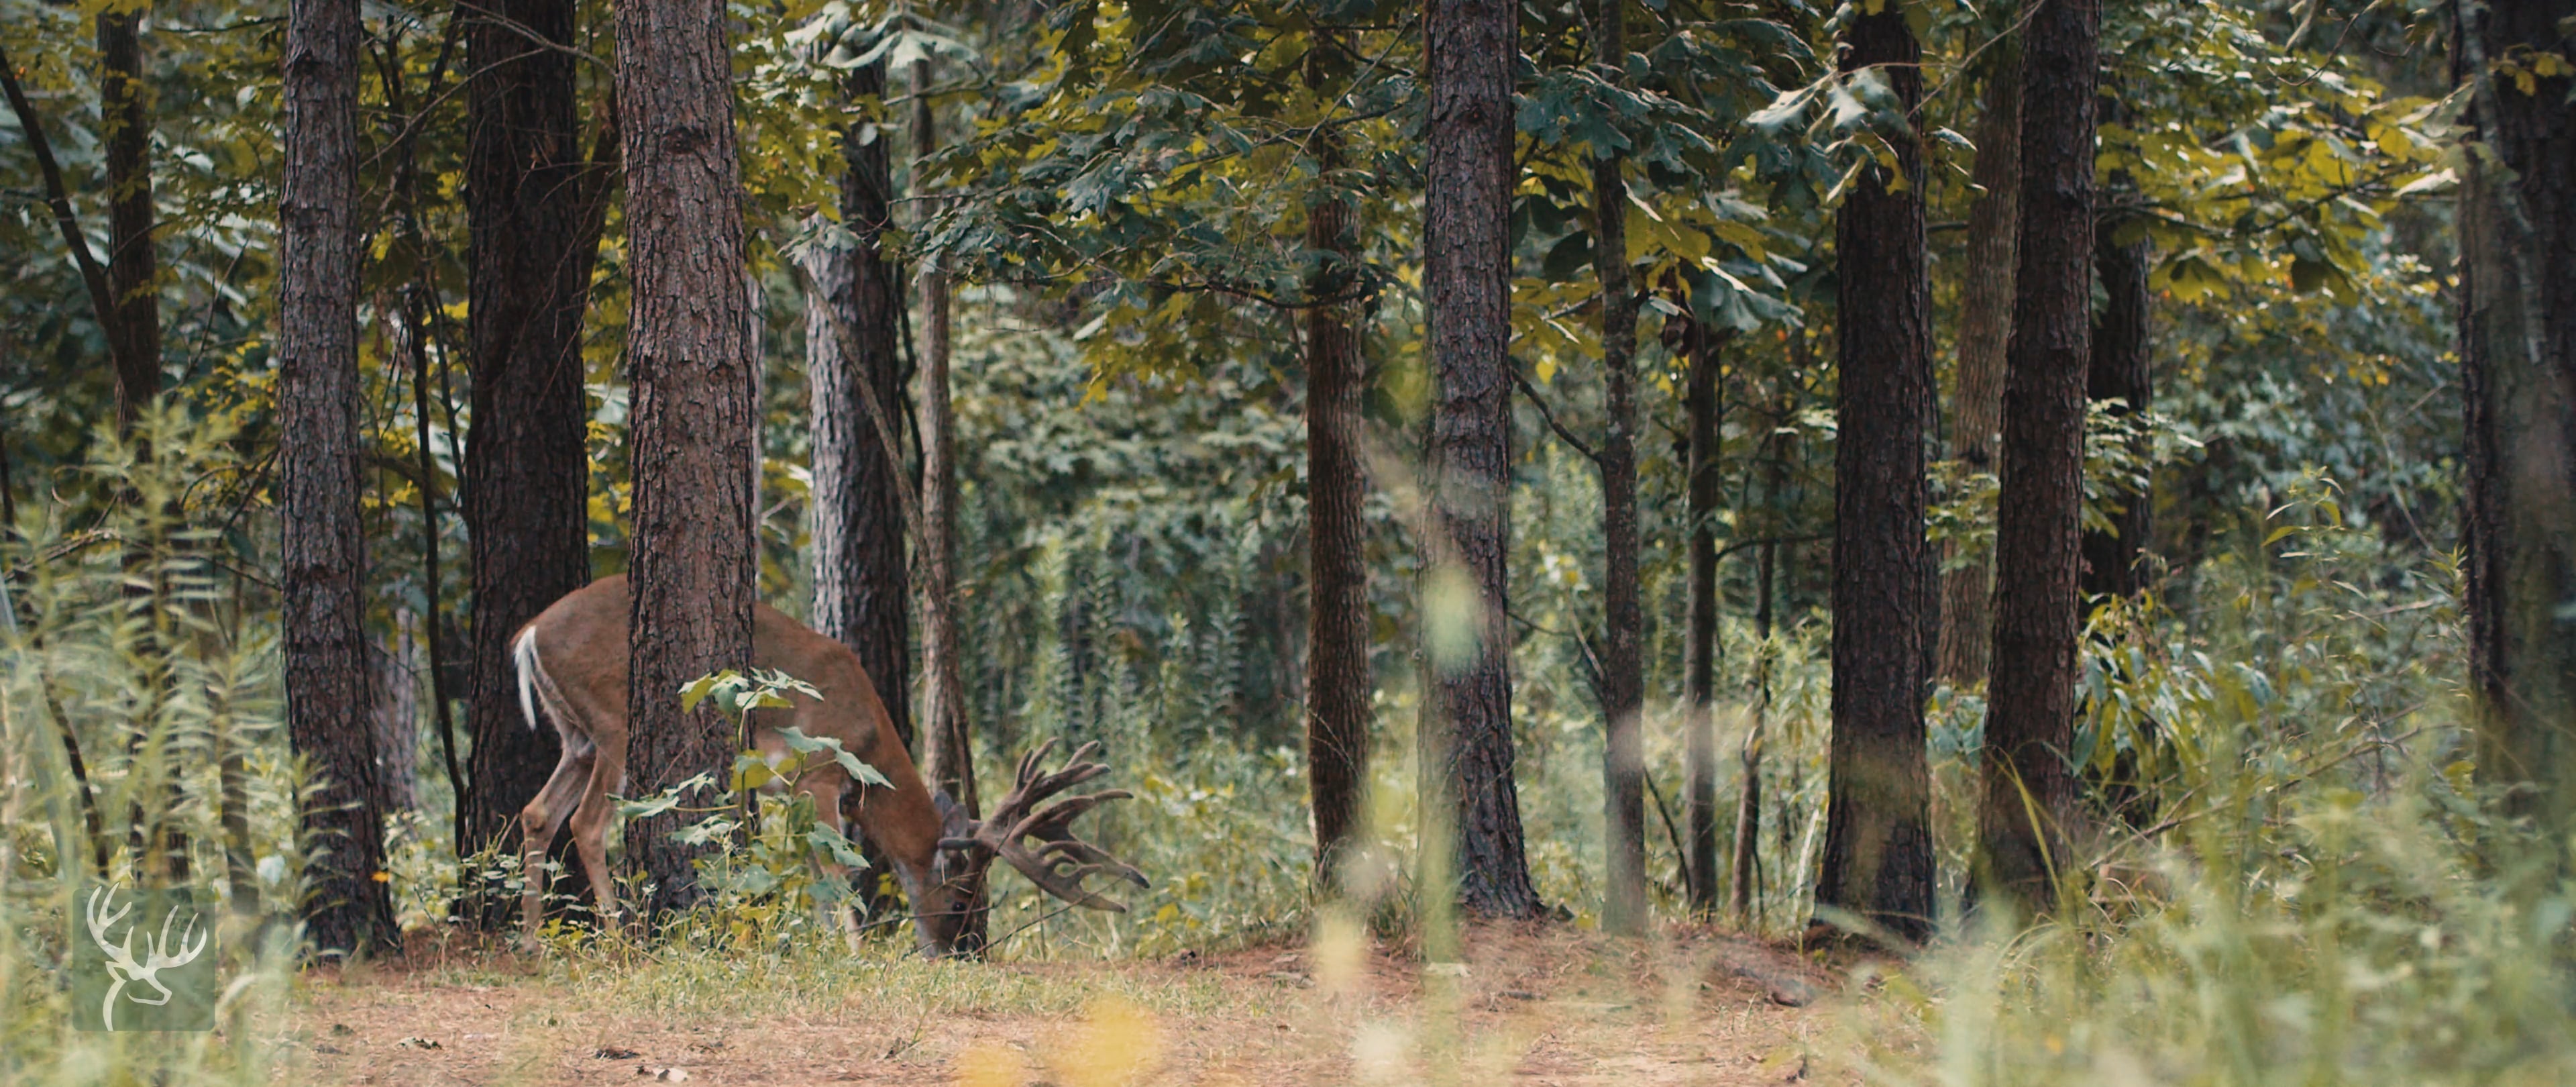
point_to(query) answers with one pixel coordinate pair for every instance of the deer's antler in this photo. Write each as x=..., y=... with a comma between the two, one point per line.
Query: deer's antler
x=1060, y=862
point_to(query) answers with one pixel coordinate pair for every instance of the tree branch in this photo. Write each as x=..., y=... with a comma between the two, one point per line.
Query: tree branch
x=1540, y=402
x=102, y=301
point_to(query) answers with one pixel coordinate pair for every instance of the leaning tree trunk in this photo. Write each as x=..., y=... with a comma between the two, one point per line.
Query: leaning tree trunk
x=328, y=676
x=2518, y=378
x=689, y=441
x=1623, y=671
x=1985, y=320
x=533, y=212
x=2119, y=369
x=1337, y=618
x=1699, y=668
x=2027, y=812
x=862, y=595
x=1878, y=862
x=125, y=105
x=1467, y=735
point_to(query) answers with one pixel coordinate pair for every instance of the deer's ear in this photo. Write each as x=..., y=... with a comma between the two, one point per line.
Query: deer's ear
x=953, y=822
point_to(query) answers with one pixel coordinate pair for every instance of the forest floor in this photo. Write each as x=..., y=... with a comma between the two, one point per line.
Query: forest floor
x=1531, y=1006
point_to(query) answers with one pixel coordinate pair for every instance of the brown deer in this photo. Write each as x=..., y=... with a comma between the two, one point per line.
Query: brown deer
x=572, y=661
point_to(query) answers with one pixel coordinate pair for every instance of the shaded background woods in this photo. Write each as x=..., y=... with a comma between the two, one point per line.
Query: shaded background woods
x=1693, y=335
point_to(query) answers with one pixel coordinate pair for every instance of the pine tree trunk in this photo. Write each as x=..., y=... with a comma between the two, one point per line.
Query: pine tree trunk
x=1699, y=669
x=2120, y=368
x=328, y=677
x=2028, y=814
x=533, y=212
x=1338, y=686
x=862, y=594
x=1878, y=861
x=1467, y=739
x=690, y=437
x=125, y=105
x=1985, y=321
x=1623, y=679
x=2518, y=384
x=949, y=760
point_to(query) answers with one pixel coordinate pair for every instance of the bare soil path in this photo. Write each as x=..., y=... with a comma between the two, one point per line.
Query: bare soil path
x=1545, y=1006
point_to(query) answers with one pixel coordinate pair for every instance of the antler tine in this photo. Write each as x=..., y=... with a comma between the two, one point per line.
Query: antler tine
x=1061, y=861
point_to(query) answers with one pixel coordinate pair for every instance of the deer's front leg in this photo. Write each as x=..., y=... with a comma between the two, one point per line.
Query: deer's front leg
x=826, y=791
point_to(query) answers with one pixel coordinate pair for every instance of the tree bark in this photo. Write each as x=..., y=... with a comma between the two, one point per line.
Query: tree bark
x=1623, y=676
x=2518, y=375
x=1878, y=861
x=533, y=210
x=1985, y=321
x=2120, y=368
x=1338, y=686
x=2027, y=813
x=1699, y=668
x=1467, y=754
x=949, y=752
x=125, y=105
x=690, y=440
x=328, y=675
x=862, y=594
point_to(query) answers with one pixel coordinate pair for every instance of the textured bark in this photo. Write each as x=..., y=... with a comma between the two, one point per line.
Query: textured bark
x=2518, y=377
x=690, y=439
x=1623, y=676
x=533, y=210
x=397, y=716
x=1467, y=739
x=1337, y=619
x=125, y=105
x=2028, y=809
x=862, y=595
x=1699, y=668
x=328, y=676
x=1985, y=321
x=1878, y=860
x=2120, y=368
x=949, y=751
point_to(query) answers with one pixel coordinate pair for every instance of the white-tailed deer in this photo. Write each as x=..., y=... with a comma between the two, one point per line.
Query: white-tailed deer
x=572, y=661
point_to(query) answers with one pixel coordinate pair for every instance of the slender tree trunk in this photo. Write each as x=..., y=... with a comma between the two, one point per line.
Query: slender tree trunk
x=949, y=751
x=125, y=106
x=1337, y=620
x=690, y=439
x=862, y=594
x=1746, y=893
x=1985, y=321
x=2028, y=811
x=327, y=672
x=397, y=716
x=2518, y=378
x=1623, y=673
x=533, y=212
x=1878, y=839
x=2120, y=368
x=1699, y=669
x=1467, y=755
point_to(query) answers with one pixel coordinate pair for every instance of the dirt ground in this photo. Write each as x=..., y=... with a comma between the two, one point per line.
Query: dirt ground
x=1543, y=1006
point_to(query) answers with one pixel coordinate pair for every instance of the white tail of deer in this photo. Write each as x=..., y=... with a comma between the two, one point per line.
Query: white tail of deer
x=572, y=665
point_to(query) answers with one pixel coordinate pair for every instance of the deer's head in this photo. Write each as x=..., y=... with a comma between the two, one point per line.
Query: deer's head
x=1039, y=841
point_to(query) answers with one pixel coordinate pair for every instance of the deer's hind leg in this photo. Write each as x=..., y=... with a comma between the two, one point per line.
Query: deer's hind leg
x=541, y=820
